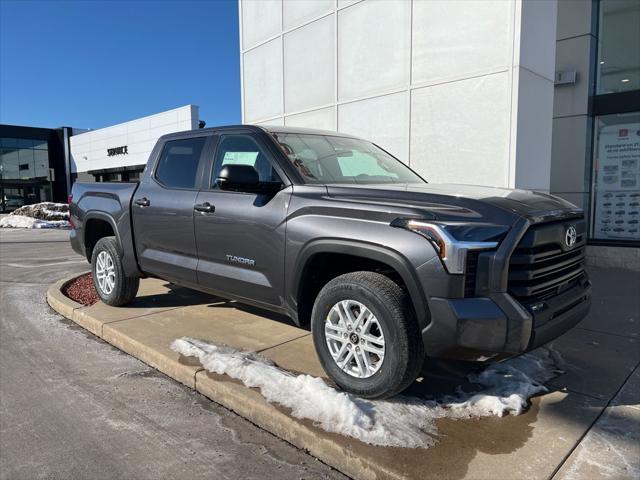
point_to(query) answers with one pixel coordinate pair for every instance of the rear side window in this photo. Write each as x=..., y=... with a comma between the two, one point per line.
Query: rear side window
x=178, y=164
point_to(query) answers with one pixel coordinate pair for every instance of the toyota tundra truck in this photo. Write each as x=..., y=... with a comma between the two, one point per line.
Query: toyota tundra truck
x=334, y=232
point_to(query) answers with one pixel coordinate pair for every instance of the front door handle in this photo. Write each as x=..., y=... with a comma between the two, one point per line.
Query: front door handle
x=205, y=207
x=142, y=202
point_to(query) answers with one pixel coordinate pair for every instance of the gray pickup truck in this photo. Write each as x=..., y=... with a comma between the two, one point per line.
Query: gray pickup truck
x=339, y=235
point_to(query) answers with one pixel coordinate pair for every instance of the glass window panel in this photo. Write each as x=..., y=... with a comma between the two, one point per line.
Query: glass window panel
x=243, y=150
x=619, y=46
x=9, y=142
x=25, y=143
x=178, y=164
x=40, y=144
x=25, y=157
x=41, y=161
x=616, y=192
x=9, y=164
x=45, y=194
x=329, y=159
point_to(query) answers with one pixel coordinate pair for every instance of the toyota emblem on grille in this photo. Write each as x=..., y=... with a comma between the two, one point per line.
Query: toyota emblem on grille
x=570, y=236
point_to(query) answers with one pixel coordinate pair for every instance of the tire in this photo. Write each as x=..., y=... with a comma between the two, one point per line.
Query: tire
x=396, y=330
x=120, y=289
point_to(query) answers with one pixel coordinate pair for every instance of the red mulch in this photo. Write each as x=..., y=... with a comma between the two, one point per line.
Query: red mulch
x=81, y=290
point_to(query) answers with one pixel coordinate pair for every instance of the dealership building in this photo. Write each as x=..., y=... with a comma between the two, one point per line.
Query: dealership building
x=41, y=164
x=541, y=95
x=523, y=94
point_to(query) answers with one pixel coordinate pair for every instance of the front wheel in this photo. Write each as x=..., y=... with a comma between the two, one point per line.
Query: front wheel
x=113, y=286
x=366, y=335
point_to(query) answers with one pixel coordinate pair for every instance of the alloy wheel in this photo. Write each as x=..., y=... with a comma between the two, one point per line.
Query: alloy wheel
x=355, y=338
x=105, y=272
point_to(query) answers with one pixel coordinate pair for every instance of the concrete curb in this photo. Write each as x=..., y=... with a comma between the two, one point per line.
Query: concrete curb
x=59, y=302
x=231, y=394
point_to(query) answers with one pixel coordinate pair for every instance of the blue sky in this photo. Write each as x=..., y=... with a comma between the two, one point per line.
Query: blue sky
x=90, y=64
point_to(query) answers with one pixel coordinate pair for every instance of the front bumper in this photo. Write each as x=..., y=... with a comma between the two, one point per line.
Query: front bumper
x=498, y=326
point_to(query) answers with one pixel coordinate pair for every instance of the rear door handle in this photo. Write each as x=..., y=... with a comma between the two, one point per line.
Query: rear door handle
x=142, y=202
x=205, y=207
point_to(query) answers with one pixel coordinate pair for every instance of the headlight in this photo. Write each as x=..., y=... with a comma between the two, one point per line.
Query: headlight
x=452, y=240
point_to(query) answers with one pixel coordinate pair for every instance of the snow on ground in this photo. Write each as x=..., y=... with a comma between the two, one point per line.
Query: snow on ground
x=20, y=221
x=400, y=422
x=39, y=215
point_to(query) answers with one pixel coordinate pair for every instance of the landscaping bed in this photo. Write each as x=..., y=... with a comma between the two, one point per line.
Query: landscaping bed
x=82, y=290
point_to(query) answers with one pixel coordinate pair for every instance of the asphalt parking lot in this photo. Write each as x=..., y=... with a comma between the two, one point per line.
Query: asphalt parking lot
x=72, y=406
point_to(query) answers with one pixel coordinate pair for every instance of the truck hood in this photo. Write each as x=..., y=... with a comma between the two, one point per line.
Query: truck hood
x=450, y=201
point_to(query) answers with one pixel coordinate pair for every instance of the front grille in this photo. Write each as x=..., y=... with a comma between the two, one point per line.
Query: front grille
x=470, y=271
x=542, y=266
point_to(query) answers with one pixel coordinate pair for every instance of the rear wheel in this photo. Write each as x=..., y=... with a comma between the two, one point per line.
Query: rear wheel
x=366, y=335
x=112, y=285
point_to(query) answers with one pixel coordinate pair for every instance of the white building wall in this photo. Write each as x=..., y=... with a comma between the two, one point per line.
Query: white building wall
x=460, y=90
x=89, y=150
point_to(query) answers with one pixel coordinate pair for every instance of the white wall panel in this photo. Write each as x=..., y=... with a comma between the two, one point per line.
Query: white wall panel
x=457, y=38
x=261, y=19
x=323, y=119
x=140, y=136
x=277, y=121
x=89, y=149
x=460, y=131
x=167, y=118
x=383, y=120
x=299, y=11
x=534, y=129
x=538, y=37
x=373, y=47
x=470, y=119
x=263, y=81
x=309, y=65
x=139, y=125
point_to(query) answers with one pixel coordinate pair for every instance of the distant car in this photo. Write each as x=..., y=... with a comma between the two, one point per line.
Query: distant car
x=12, y=202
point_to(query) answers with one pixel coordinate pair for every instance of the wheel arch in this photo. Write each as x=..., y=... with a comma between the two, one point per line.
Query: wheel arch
x=370, y=254
x=98, y=225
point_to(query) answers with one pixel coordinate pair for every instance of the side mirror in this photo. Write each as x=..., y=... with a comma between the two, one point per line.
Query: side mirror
x=238, y=177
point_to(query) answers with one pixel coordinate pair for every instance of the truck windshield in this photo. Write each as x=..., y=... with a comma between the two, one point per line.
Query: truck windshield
x=332, y=159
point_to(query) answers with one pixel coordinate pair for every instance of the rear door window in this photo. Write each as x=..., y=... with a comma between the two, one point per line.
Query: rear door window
x=178, y=163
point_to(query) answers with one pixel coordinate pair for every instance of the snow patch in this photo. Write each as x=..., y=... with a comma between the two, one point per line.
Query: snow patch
x=20, y=221
x=503, y=388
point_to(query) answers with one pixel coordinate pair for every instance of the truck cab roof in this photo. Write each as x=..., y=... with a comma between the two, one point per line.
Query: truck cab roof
x=272, y=129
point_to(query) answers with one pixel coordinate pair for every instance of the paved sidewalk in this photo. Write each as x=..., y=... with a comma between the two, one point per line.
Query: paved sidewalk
x=588, y=426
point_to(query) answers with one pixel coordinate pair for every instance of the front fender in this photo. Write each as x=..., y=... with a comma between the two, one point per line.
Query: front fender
x=379, y=253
